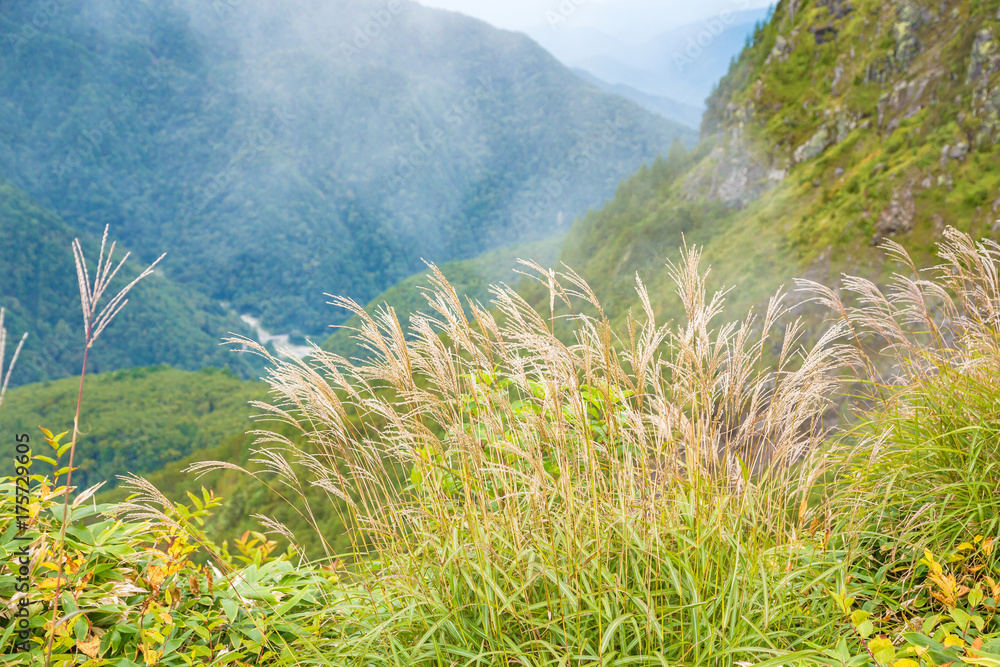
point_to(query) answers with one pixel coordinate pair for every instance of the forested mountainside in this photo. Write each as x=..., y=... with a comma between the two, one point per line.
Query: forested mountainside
x=164, y=323
x=281, y=151
x=485, y=492
x=688, y=114
x=842, y=124
x=137, y=420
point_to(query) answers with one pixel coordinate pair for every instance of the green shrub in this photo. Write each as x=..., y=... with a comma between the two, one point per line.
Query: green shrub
x=136, y=590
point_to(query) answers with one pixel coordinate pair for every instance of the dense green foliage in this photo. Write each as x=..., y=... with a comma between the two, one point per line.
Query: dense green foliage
x=135, y=421
x=165, y=323
x=247, y=498
x=496, y=486
x=272, y=157
x=570, y=503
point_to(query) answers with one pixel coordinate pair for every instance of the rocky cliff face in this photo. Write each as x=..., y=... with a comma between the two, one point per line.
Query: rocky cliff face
x=896, y=81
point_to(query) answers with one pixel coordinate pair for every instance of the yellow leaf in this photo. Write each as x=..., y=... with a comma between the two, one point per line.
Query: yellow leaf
x=906, y=663
x=952, y=640
x=48, y=582
x=156, y=576
x=932, y=564
x=964, y=546
x=90, y=648
x=879, y=644
x=152, y=657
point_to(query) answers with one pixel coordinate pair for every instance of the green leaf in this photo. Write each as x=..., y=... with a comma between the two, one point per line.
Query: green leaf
x=960, y=617
x=883, y=650
x=230, y=607
x=842, y=651
x=975, y=597
x=865, y=629
x=929, y=623
x=610, y=631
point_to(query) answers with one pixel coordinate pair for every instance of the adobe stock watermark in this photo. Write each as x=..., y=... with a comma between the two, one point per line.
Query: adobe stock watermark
x=20, y=560
x=455, y=116
x=257, y=141
x=554, y=186
x=89, y=141
x=564, y=11
x=371, y=29
x=226, y=8
x=45, y=11
x=710, y=31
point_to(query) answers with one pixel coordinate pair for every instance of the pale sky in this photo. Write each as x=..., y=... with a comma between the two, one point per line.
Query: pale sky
x=612, y=15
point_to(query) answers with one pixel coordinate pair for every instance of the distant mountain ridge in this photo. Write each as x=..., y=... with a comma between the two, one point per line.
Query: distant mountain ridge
x=280, y=152
x=682, y=63
x=668, y=108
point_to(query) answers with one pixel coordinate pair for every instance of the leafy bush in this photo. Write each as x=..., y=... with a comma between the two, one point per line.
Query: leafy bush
x=139, y=592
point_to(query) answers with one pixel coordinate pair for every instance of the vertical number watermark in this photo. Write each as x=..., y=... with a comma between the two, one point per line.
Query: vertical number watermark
x=20, y=563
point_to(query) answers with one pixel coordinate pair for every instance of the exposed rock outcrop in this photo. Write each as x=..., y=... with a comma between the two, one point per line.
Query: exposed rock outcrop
x=906, y=99
x=814, y=146
x=782, y=48
x=838, y=8
x=909, y=19
x=735, y=173
x=898, y=217
x=984, y=59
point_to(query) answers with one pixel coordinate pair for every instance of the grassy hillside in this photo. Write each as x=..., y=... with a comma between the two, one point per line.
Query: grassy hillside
x=842, y=124
x=164, y=322
x=135, y=420
x=278, y=156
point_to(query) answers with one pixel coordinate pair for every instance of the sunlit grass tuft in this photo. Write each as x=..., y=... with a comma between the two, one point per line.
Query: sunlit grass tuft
x=629, y=496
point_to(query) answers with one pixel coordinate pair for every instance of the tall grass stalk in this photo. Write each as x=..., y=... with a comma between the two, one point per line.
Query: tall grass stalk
x=95, y=320
x=928, y=445
x=5, y=377
x=636, y=496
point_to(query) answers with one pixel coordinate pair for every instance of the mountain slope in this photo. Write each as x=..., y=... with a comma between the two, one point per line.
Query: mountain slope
x=164, y=323
x=842, y=124
x=280, y=152
x=681, y=63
